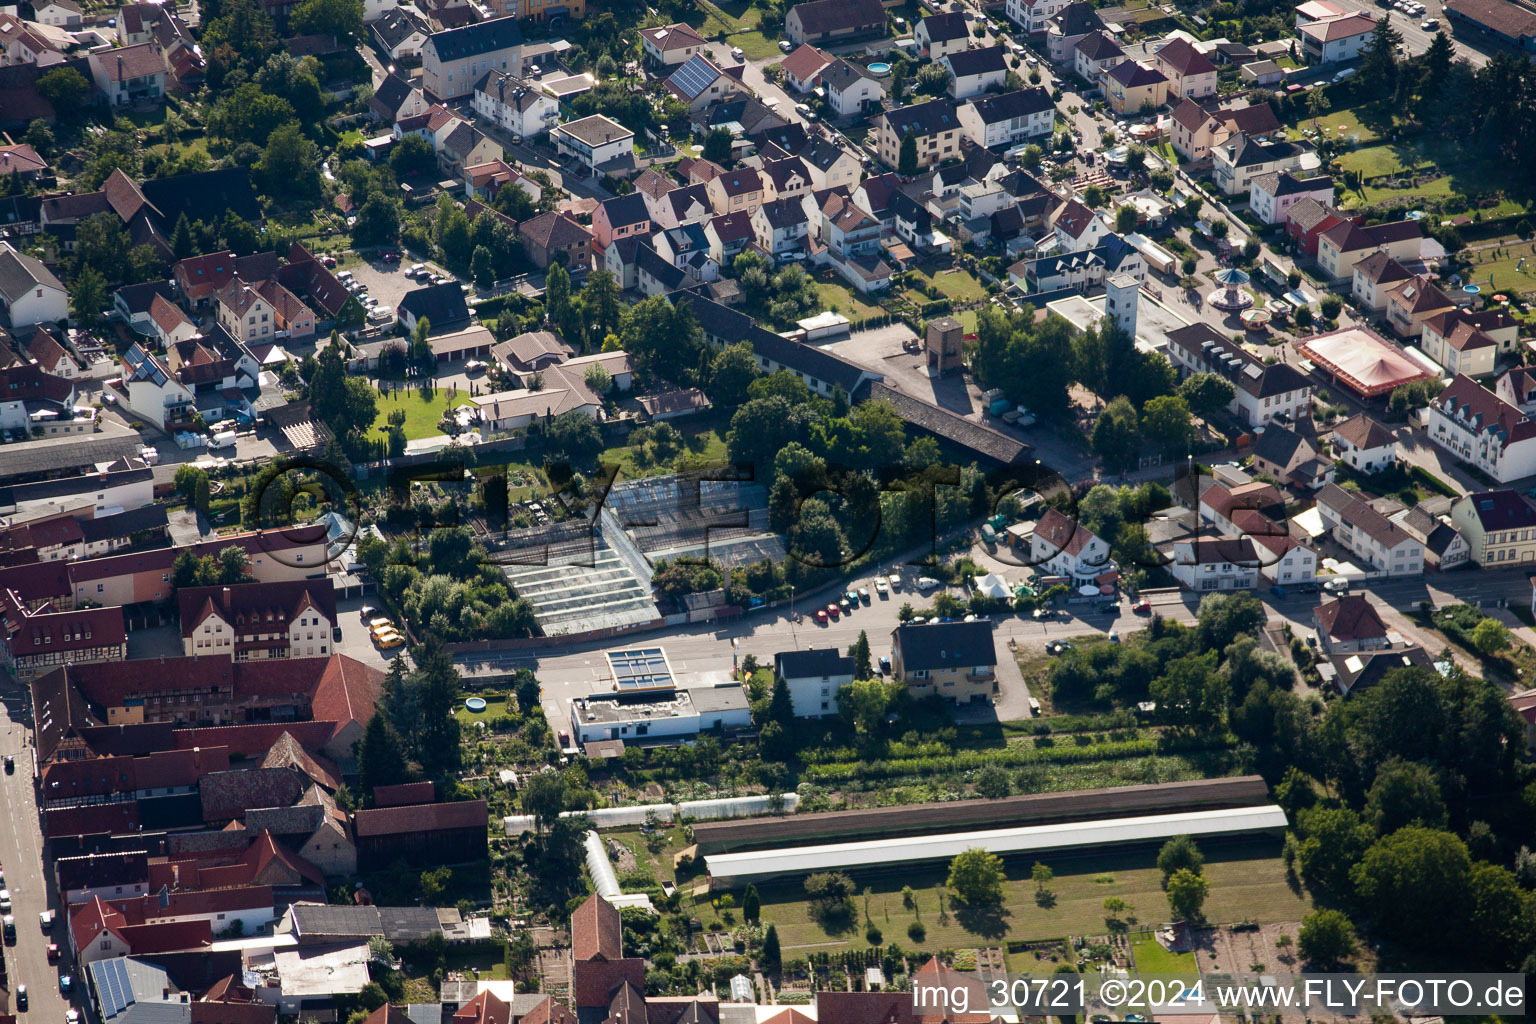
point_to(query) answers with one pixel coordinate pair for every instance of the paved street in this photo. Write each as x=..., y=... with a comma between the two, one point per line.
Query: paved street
x=21, y=856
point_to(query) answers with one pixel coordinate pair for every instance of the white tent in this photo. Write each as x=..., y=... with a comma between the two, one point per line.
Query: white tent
x=991, y=584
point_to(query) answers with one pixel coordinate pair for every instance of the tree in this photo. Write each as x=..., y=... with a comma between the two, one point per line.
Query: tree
x=864, y=703
x=544, y=798
x=1326, y=937
x=380, y=755
x=482, y=267
x=1042, y=875
x=751, y=905
x=717, y=146
x=768, y=954
x=1186, y=895
x=1207, y=393
x=1404, y=793
x=412, y=155
x=1413, y=881
x=906, y=159
x=863, y=667
x=340, y=18
x=234, y=565
x=1125, y=220
x=1192, y=693
x=1117, y=435
x=781, y=706
x=1490, y=636
x=88, y=296
x=1378, y=62
x=1166, y=419
x=976, y=877
x=1179, y=854
x=290, y=164
x=1334, y=840
x=67, y=89
x=992, y=782
x=574, y=436
x=182, y=242
x=377, y=221
x=557, y=292
x=200, y=496
x=731, y=371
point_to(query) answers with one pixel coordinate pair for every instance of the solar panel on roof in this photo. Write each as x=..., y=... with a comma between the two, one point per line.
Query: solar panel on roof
x=112, y=987
x=695, y=76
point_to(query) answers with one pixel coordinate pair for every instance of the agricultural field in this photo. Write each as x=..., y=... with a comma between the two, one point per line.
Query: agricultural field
x=1248, y=882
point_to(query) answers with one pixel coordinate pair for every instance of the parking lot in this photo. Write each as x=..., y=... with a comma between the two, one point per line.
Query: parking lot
x=387, y=282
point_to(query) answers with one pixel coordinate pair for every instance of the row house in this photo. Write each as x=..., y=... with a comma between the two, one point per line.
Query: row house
x=1270, y=196
x=1190, y=73
x=1009, y=118
x=1264, y=392
x=1307, y=221
x=1499, y=527
x=34, y=642
x=1479, y=427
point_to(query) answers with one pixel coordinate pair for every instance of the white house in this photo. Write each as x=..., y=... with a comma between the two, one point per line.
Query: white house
x=973, y=72
x=940, y=35
x=1078, y=227
x=1479, y=427
x=1365, y=445
x=849, y=89
x=782, y=226
x=1009, y=118
x=1094, y=54
x=1370, y=536
x=1264, y=392
x=1374, y=277
x=519, y=107
x=1284, y=559
x=1271, y=195
x=29, y=293
x=813, y=677
x=58, y=13
x=1210, y=563
x=1031, y=15
x=1336, y=39
x=1064, y=547
x=595, y=140
x=1242, y=159
x=680, y=717
x=154, y=393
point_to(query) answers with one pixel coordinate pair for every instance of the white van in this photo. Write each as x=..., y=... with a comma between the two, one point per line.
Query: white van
x=223, y=439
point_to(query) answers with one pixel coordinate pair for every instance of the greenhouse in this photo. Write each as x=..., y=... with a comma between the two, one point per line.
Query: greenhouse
x=728, y=870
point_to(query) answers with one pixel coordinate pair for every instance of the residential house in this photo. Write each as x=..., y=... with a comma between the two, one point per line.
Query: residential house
x=1309, y=220
x=1067, y=27
x=1209, y=563
x=1232, y=507
x=556, y=238
x=132, y=302
x=599, y=968
x=1283, y=559
x=849, y=88
x=729, y=234
x=847, y=231
x=813, y=678
x=1349, y=625
x=454, y=60
x=1335, y=40
x=287, y=619
x=58, y=13
x=973, y=72
x=679, y=206
x=786, y=178
x=130, y=74
x=51, y=357
x=400, y=33
x=656, y=275
x=30, y=294
x=953, y=660
x=670, y=45
x=1009, y=118
x=170, y=325
x=702, y=83
x=442, y=305
x=1414, y=301
x=1133, y=88
x=20, y=161
x=834, y=22
x=1340, y=247
x=396, y=98
x=1517, y=387
x=625, y=216
x=464, y=146
x=1190, y=73
x=1508, y=23
x=1368, y=535
x=1243, y=158
x=1365, y=445
x=1318, y=10
x=1078, y=228
x=1499, y=527
x=802, y=68
x=738, y=191
x=520, y=107
x=154, y=394
x=1064, y=547
x=1479, y=427
x=33, y=642
x=1033, y=15
x=1271, y=195
x=595, y=140
x=1194, y=131
x=1455, y=341
x=1374, y=277
x=1290, y=458
x=1095, y=54
x=1444, y=546
x=940, y=35
x=934, y=125
x=782, y=226
x=830, y=165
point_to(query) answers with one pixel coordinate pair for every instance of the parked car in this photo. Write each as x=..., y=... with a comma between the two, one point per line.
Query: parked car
x=1142, y=607
x=5, y=901
x=895, y=581
x=46, y=920
x=885, y=666
x=10, y=765
x=21, y=997
x=864, y=595
x=1430, y=24
x=785, y=46
x=737, y=53
x=927, y=583
x=1337, y=586
x=66, y=983
x=53, y=951
x=881, y=587
x=821, y=616
x=834, y=612
x=391, y=257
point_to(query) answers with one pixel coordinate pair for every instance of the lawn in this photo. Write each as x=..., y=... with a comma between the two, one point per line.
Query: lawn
x=703, y=446
x=841, y=299
x=1152, y=958
x=754, y=44
x=495, y=706
x=1346, y=124
x=421, y=414
x=1379, y=161
x=957, y=285
x=1248, y=882
x=1502, y=268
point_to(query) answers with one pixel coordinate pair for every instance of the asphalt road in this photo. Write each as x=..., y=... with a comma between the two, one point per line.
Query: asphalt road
x=21, y=855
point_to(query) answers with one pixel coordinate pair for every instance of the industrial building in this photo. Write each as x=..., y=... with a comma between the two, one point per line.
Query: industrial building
x=642, y=701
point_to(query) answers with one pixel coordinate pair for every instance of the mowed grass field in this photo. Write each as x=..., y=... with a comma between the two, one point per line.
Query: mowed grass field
x=1247, y=882
x=1502, y=268
x=421, y=414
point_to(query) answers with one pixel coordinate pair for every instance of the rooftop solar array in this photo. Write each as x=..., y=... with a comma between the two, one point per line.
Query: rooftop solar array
x=114, y=992
x=695, y=76
x=640, y=668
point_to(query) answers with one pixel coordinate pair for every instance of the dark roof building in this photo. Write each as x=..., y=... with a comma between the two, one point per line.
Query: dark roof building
x=442, y=304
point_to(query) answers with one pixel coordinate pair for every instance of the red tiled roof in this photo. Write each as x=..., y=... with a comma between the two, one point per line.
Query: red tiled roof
x=403, y=794
x=168, y=936
x=596, y=931
x=403, y=820
x=256, y=738
x=1062, y=533
x=1350, y=618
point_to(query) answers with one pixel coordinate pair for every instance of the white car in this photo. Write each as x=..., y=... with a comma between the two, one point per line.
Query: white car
x=737, y=53
x=1430, y=24
x=785, y=46
x=927, y=583
x=5, y=901
x=895, y=581
x=881, y=587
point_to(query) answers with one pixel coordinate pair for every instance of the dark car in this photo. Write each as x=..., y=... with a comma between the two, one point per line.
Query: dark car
x=368, y=612
x=10, y=765
x=1110, y=608
x=21, y=997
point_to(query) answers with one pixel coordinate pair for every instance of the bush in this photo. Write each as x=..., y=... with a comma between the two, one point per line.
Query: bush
x=916, y=931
